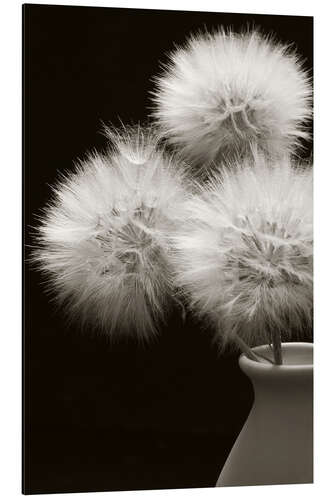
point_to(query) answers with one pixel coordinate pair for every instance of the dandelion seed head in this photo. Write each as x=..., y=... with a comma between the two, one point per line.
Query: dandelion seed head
x=222, y=93
x=104, y=238
x=244, y=255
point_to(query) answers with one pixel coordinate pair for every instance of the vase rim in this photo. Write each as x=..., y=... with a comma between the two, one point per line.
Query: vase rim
x=296, y=356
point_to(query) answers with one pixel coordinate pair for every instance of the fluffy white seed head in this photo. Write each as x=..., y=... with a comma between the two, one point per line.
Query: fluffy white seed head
x=224, y=92
x=244, y=255
x=104, y=238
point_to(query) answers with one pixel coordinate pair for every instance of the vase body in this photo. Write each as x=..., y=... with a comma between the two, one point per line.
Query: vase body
x=275, y=445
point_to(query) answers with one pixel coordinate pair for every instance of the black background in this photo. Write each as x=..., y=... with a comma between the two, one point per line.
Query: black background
x=122, y=417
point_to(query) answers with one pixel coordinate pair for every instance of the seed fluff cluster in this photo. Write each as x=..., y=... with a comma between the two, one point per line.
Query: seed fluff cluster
x=222, y=93
x=104, y=238
x=244, y=255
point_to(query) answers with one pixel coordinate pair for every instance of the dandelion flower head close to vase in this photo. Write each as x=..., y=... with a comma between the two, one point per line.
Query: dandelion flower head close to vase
x=103, y=239
x=244, y=255
x=224, y=92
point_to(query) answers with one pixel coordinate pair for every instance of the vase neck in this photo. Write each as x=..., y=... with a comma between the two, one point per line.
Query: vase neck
x=292, y=381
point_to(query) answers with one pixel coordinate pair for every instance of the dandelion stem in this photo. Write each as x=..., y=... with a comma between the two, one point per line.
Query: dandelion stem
x=247, y=350
x=276, y=341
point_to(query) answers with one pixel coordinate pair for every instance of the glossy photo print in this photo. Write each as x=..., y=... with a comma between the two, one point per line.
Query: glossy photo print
x=168, y=249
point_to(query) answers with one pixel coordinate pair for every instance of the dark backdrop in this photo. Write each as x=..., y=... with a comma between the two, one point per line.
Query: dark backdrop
x=123, y=417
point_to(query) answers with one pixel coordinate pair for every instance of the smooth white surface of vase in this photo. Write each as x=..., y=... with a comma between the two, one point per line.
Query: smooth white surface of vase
x=275, y=445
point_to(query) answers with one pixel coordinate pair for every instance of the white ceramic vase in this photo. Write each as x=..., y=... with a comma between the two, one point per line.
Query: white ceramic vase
x=275, y=445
